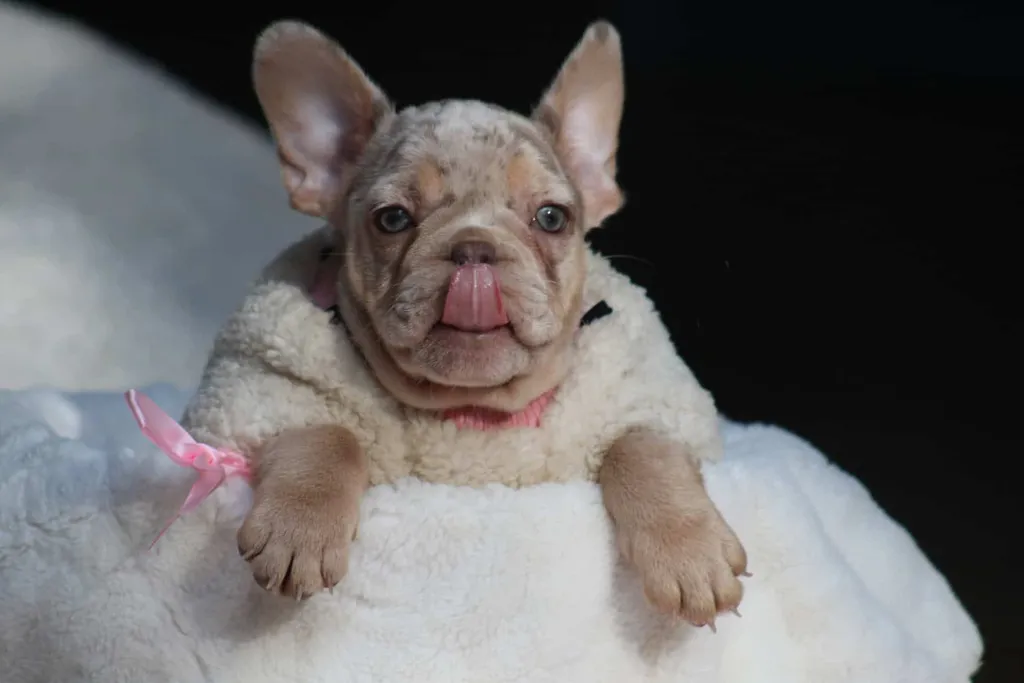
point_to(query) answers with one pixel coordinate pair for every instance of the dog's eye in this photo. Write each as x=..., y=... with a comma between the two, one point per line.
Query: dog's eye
x=392, y=219
x=551, y=218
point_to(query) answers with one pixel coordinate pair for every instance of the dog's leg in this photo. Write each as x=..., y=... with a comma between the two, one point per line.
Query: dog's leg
x=308, y=486
x=668, y=527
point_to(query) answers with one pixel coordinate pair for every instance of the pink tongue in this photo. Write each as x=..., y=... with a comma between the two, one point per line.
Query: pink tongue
x=474, y=300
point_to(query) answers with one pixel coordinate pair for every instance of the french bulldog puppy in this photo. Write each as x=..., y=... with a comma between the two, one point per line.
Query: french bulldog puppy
x=459, y=266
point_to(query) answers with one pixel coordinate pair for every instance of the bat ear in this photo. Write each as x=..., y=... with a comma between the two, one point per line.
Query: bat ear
x=322, y=111
x=582, y=110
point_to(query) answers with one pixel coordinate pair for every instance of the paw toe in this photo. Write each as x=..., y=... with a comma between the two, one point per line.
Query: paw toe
x=698, y=600
x=728, y=592
x=335, y=565
x=304, y=577
x=271, y=567
x=735, y=555
x=252, y=539
x=663, y=594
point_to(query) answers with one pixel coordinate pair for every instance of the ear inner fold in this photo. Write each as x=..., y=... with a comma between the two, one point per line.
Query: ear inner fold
x=582, y=110
x=321, y=107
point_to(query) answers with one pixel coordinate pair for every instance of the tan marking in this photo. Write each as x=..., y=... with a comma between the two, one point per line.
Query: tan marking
x=666, y=525
x=520, y=175
x=308, y=486
x=430, y=184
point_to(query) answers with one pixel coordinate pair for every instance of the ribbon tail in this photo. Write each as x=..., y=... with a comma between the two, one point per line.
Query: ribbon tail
x=163, y=531
x=159, y=427
x=205, y=484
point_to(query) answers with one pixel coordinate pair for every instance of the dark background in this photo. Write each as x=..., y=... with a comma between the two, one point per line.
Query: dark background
x=824, y=201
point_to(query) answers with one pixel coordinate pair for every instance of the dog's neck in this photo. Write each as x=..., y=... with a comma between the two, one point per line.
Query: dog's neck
x=324, y=293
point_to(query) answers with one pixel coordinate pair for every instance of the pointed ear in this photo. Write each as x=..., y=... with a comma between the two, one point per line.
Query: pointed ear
x=322, y=110
x=582, y=110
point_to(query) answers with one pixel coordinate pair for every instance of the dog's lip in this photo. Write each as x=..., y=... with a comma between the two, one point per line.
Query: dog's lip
x=450, y=330
x=455, y=328
x=497, y=340
x=509, y=331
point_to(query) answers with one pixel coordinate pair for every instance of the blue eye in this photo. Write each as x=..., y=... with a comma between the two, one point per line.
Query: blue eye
x=392, y=219
x=551, y=218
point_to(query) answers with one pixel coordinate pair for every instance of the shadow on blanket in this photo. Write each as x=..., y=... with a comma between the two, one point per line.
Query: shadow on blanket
x=446, y=584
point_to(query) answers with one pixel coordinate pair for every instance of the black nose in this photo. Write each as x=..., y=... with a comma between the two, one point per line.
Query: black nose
x=472, y=252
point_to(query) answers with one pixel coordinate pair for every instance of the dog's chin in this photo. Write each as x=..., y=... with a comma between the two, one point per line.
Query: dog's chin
x=458, y=358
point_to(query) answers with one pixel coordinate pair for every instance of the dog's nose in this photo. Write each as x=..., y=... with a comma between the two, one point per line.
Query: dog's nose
x=472, y=252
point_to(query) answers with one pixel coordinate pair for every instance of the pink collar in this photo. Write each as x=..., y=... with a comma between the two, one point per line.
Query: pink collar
x=323, y=293
x=485, y=419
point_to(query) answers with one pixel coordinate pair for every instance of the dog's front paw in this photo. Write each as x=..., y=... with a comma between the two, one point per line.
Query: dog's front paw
x=297, y=546
x=689, y=565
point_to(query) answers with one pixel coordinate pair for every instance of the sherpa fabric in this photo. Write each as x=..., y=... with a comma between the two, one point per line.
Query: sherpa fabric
x=447, y=584
x=279, y=363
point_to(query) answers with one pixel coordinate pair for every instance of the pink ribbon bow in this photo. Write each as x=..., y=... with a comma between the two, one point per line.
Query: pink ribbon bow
x=213, y=465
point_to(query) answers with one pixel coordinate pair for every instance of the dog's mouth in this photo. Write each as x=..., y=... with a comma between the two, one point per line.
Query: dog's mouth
x=464, y=327
x=473, y=304
x=472, y=343
x=474, y=317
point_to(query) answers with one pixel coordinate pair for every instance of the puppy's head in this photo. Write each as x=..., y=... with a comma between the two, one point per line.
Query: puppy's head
x=461, y=223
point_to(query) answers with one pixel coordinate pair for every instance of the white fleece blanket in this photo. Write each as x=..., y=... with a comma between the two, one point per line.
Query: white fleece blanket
x=446, y=584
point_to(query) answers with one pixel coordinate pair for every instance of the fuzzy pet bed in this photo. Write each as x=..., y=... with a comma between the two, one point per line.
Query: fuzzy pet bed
x=446, y=584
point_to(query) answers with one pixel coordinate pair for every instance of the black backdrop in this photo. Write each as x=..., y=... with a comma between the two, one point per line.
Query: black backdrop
x=824, y=201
